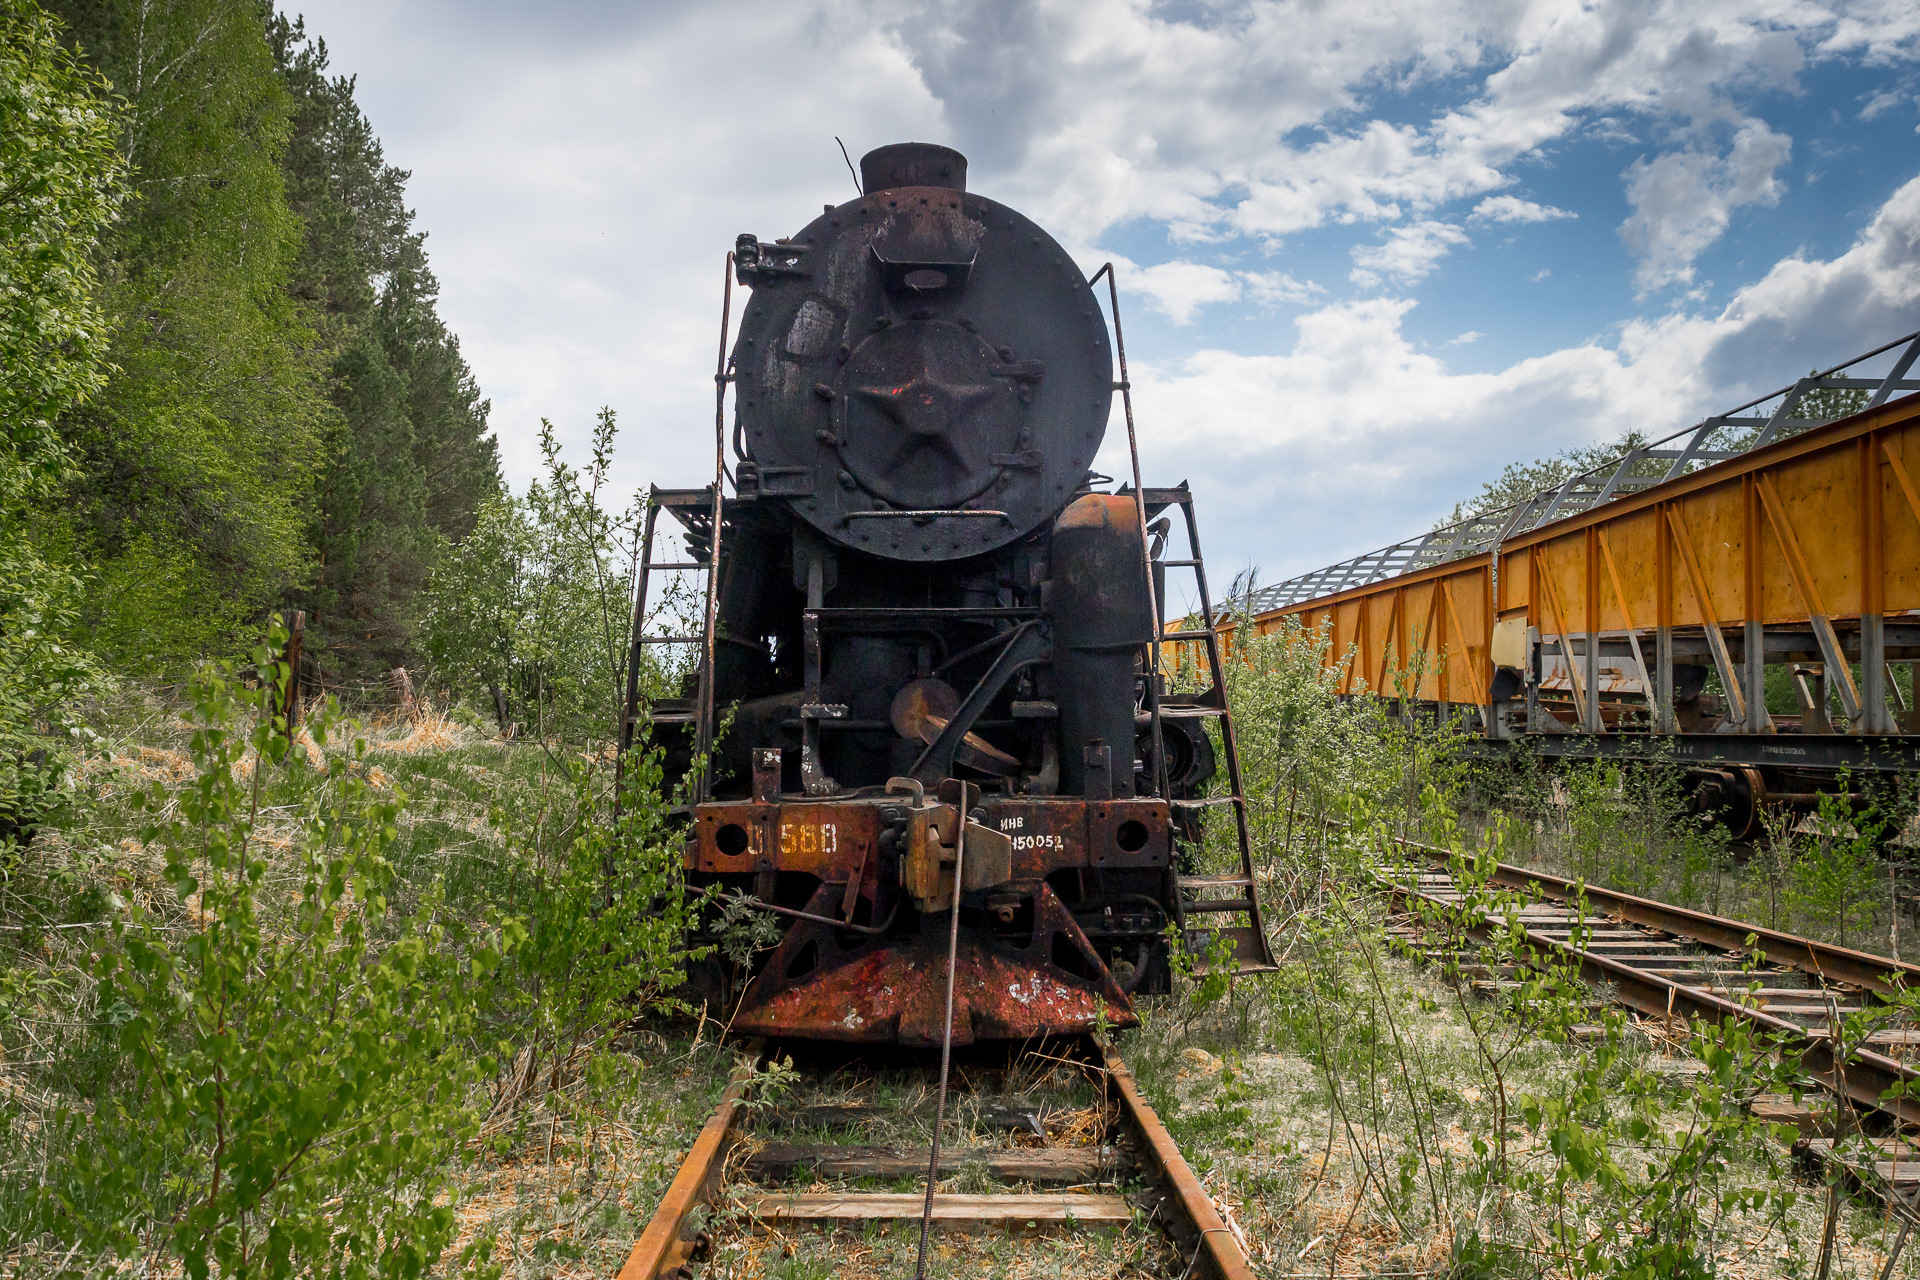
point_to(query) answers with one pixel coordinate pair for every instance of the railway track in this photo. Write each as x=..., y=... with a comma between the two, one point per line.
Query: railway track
x=1093, y=1158
x=1664, y=961
x=771, y=1166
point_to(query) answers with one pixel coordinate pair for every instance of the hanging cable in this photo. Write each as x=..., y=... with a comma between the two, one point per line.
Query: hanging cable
x=849, y=159
x=946, y=1035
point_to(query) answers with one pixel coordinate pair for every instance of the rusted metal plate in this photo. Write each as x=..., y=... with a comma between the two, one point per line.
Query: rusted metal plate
x=825, y=838
x=1128, y=833
x=895, y=990
x=1046, y=834
x=1198, y=1225
x=821, y=839
x=665, y=1244
x=896, y=994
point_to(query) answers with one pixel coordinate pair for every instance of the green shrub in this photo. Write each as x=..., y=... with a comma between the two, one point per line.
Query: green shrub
x=298, y=1079
x=605, y=912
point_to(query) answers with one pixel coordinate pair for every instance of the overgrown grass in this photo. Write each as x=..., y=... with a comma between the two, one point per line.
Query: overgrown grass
x=190, y=972
x=1362, y=1115
x=1841, y=874
x=1357, y=1114
x=1354, y=1113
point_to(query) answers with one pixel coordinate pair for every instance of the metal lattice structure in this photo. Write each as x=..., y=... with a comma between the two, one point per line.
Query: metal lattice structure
x=1715, y=439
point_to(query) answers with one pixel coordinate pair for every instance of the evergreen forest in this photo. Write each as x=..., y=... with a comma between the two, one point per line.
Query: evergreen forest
x=228, y=389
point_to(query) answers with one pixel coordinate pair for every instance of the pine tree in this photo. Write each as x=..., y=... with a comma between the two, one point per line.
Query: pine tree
x=410, y=461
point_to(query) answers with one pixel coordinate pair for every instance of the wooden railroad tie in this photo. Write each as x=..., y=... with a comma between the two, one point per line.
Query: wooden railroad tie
x=1050, y=1166
x=1003, y=1212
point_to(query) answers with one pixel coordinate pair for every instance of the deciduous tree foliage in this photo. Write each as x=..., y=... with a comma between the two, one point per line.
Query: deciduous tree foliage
x=60, y=186
x=287, y=419
x=197, y=458
x=1521, y=480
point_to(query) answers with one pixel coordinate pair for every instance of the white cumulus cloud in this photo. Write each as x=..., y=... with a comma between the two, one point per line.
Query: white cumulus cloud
x=1514, y=209
x=1410, y=254
x=1178, y=289
x=1683, y=200
x=582, y=165
x=1355, y=437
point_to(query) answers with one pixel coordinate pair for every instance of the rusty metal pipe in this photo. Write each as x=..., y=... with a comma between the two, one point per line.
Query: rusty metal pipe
x=1815, y=797
x=875, y=929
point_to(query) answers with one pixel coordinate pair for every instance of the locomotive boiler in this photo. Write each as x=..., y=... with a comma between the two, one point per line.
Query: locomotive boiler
x=929, y=624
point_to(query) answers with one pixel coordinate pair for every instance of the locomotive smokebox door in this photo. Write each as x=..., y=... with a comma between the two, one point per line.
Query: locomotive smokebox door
x=924, y=374
x=923, y=420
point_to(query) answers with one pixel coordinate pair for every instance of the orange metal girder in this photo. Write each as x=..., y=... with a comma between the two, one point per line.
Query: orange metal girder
x=1900, y=519
x=1516, y=582
x=1426, y=642
x=1819, y=478
x=1716, y=522
x=1562, y=565
x=1850, y=495
x=1371, y=628
x=1469, y=624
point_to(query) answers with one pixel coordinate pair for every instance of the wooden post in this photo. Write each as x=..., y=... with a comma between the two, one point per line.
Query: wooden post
x=402, y=684
x=296, y=638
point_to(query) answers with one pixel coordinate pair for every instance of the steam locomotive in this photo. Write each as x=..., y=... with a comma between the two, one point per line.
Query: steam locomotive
x=931, y=625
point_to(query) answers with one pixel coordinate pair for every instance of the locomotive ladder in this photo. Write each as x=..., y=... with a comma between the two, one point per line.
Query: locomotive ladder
x=702, y=517
x=1252, y=952
x=694, y=509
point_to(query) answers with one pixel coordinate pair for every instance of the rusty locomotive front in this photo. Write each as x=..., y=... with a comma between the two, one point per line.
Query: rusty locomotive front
x=930, y=626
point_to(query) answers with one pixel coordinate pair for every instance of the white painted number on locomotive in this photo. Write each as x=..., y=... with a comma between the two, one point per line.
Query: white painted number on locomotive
x=1018, y=822
x=809, y=837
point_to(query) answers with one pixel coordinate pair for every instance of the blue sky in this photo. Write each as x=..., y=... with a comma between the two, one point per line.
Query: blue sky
x=1370, y=252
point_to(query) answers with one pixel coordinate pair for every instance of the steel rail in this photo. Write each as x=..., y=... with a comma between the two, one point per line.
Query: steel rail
x=665, y=1246
x=1217, y=1251
x=1864, y=1076
x=1213, y=1249
x=1820, y=959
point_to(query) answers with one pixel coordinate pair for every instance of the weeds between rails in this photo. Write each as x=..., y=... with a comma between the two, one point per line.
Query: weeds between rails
x=1079, y=1159
x=1844, y=1020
